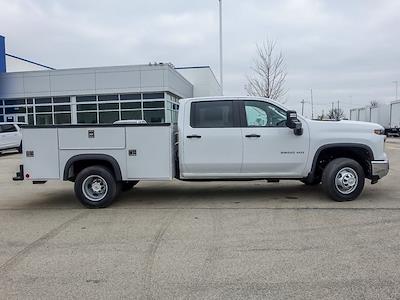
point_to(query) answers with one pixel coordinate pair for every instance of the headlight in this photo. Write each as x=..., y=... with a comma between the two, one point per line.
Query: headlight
x=379, y=131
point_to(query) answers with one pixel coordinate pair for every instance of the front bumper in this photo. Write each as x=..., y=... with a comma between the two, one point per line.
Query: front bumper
x=380, y=168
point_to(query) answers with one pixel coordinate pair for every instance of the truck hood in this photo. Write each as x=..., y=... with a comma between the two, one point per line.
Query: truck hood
x=344, y=125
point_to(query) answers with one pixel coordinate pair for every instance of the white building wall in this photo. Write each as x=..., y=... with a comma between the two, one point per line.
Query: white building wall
x=86, y=81
x=203, y=79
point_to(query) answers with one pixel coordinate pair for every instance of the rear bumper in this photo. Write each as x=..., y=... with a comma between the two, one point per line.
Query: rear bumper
x=380, y=168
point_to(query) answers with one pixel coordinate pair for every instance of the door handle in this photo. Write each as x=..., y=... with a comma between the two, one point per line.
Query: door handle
x=253, y=135
x=194, y=136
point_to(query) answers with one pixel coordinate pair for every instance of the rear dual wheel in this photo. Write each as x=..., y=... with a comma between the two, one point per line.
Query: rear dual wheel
x=96, y=187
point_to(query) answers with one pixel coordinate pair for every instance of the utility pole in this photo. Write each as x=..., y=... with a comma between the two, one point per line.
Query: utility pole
x=302, y=107
x=397, y=87
x=312, y=105
x=221, y=67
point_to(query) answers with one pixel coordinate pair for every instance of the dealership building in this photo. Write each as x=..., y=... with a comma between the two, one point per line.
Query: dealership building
x=45, y=96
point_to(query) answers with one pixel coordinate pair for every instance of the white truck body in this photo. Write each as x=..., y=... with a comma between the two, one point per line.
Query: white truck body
x=142, y=152
x=380, y=115
x=354, y=114
x=364, y=114
x=388, y=116
x=395, y=114
x=220, y=138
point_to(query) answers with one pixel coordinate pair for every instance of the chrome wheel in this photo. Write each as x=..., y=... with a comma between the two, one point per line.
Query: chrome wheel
x=95, y=188
x=346, y=180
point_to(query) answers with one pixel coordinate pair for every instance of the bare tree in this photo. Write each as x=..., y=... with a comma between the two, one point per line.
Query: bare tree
x=374, y=104
x=336, y=114
x=269, y=72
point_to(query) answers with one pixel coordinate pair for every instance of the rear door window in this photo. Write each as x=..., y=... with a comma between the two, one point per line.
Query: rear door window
x=212, y=114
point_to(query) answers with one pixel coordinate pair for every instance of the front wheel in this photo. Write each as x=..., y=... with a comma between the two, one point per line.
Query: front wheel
x=96, y=187
x=343, y=179
x=20, y=148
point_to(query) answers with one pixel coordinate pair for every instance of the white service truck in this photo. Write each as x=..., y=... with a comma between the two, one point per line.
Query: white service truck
x=218, y=138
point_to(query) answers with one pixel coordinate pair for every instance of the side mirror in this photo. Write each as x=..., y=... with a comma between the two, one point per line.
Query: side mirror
x=293, y=122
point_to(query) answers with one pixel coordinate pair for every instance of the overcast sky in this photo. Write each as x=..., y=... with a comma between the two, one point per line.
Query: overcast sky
x=343, y=50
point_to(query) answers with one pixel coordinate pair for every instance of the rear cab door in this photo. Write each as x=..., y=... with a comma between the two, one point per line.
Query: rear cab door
x=211, y=140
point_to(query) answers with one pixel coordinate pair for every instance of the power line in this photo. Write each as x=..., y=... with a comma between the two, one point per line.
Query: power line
x=221, y=64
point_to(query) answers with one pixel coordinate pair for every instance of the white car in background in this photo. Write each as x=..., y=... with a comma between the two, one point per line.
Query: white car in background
x=10, y=137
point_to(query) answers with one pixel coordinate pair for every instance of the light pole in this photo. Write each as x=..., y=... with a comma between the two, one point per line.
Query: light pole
x=397, y=87
x=302, y=107
x=312, y=105
x=221, y=67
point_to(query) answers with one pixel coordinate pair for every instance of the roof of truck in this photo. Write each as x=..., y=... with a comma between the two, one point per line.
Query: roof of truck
x=216, y=98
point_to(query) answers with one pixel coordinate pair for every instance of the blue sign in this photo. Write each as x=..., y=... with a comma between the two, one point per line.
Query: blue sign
x=2, y=55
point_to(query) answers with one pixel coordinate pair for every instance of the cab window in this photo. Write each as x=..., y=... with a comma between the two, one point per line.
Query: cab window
x=212, y=114
x=264, y=114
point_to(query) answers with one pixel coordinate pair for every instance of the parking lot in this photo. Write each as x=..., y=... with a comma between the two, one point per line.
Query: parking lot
x=200, y=240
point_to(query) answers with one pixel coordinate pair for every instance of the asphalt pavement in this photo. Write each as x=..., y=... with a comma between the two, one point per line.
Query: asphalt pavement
x=220, y=240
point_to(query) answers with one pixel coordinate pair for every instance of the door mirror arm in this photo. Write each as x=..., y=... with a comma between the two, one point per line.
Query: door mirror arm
x=293, y=122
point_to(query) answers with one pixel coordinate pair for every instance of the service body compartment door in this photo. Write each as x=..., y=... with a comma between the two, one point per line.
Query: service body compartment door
x=149, y=151
x=40, y=150
x=92, y=138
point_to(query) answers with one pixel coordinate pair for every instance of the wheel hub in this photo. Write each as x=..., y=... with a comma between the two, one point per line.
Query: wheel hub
x=95, y=188
x=346, y=180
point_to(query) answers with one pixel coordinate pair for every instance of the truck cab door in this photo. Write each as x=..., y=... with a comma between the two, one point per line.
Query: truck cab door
x=211, y=140
x=270, y=149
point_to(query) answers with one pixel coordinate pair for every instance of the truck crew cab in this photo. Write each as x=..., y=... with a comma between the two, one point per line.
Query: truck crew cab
x=218, y=138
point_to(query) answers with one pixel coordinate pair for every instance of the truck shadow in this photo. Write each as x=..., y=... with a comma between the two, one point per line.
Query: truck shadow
x=218, y=193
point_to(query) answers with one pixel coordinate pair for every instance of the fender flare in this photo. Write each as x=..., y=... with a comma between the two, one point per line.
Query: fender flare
x=98, y=157
x=338, y=145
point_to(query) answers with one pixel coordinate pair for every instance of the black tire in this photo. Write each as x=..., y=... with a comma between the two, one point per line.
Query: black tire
x=109, y=188
x=128, y=185
x=20, y=148
x=345, y=190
